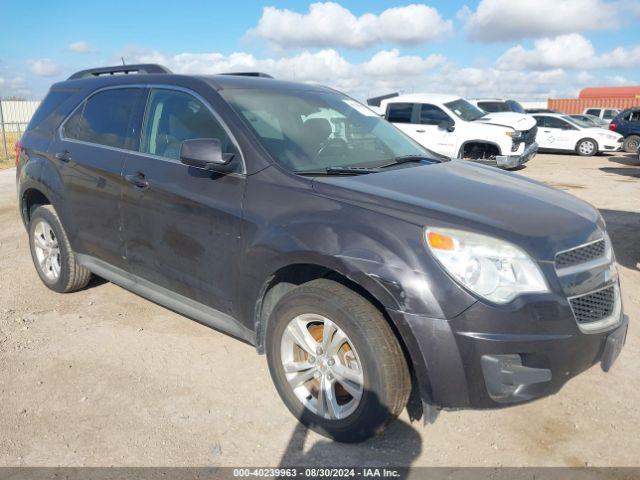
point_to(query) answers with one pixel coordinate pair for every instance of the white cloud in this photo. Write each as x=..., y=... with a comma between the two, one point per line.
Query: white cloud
x=570, y=51
x=501, y=20
x=617, y=80
x=384, y=72
x=585, y=77
x=329, y=24
x=81, y=47
x=391, y=64
x=44, y=67
x=567, y=51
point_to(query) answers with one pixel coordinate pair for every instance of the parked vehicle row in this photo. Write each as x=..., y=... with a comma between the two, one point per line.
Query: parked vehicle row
x=454, y=127
x=294, y=218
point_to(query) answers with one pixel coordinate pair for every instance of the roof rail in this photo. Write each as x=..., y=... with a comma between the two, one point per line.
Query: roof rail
x=248, y=74
x=123, y=69
x=375, y=101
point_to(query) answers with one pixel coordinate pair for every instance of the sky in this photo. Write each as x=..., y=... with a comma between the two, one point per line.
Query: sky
x=522, y=49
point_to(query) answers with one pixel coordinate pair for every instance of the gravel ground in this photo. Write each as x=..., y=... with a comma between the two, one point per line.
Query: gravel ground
x=103, y=377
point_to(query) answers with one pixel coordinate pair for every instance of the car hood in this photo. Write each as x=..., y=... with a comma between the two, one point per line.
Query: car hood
x=600, y=131
x=517, y=121
x=460, y=194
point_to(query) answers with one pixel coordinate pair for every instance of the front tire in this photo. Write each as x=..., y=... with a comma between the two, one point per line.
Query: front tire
x=587, y=147
x=51, y=252
x=335, y=361
x=631, y=144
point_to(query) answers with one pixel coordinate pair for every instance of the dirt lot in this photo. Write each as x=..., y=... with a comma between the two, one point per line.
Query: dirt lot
x=103, y=377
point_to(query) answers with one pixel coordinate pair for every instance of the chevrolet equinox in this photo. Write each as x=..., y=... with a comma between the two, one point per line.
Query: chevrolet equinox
x=374, y=275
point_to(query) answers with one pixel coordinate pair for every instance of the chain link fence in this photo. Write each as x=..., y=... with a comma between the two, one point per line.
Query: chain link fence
x=14, y=118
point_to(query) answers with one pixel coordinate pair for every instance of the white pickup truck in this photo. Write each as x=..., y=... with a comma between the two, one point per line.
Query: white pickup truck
x=453, y=127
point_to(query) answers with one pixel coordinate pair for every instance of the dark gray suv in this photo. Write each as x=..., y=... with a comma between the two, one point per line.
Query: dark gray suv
x=374, y=275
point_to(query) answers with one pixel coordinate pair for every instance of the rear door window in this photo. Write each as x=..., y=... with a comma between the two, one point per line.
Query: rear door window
x=173, y=116
x=399, y=112
x=105, y=118
x=633, y=116
x=609, y=114
x=553, y=122
x=593, y=111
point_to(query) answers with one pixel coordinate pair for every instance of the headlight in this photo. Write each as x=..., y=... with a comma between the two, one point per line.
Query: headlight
x=491, y=268
x=515, y=135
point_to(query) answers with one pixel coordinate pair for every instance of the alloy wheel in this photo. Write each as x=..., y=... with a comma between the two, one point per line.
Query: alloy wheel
x=322, y=366
x=47, y=250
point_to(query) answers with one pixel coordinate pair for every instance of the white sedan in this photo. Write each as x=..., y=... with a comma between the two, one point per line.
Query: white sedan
x=564, y=133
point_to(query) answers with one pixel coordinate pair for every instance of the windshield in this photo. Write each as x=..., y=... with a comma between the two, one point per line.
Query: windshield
x=577, y=121
x=310, y=131
x=465, y=110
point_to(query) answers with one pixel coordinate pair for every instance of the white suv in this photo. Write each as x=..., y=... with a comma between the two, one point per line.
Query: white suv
x=453, y=127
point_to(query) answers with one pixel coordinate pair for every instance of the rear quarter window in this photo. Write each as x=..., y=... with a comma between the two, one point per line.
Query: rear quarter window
x=50, y=114
x=105, y=118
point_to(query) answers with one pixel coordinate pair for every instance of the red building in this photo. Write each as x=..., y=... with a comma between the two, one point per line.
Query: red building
x=614, y=97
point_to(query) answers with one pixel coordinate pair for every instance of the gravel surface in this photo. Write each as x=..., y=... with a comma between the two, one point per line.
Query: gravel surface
x=103, y=377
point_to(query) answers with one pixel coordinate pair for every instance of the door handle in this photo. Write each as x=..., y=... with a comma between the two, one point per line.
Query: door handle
x=64, y=156
x=138, y=180
x=420, y=131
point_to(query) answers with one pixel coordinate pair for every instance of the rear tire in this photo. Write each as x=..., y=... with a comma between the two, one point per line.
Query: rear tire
x=631, y=144
x=587, y=147
x=375, y=359
x=51, y=252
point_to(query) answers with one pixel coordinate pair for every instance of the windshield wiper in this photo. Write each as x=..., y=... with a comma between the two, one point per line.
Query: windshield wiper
x=406, y=159
x=339, y=171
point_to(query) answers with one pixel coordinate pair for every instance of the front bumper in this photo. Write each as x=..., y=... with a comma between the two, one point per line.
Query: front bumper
x=611, y=145
x=489, y=358
x=512, y=161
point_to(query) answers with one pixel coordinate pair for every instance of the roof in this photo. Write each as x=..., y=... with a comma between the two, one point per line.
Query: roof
x=611, y=92
x=150, y=73
x=224, y=81
x=422, y=98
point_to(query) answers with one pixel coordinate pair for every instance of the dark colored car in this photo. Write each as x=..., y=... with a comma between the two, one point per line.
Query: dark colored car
x=591, y=120
x=541, y=110
x=498, y=105
x=627, y=124
x=295, y=219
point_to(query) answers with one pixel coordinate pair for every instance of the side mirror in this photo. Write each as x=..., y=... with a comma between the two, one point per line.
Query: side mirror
x=206, y=153
x=447, y=125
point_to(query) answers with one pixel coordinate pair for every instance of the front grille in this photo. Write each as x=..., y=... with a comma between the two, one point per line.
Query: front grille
x=582, y=254
x=594, y=306
x=527, y=136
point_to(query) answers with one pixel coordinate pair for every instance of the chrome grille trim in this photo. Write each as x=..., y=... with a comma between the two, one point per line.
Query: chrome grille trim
x=597, y=310
x=585, y=253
